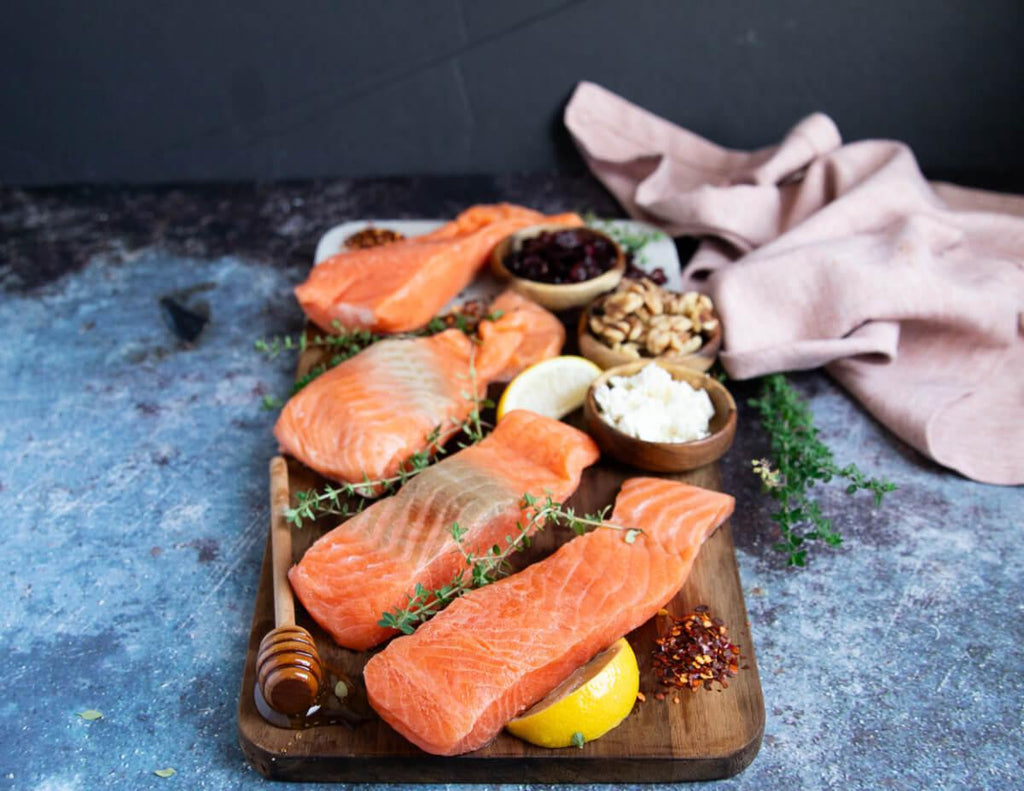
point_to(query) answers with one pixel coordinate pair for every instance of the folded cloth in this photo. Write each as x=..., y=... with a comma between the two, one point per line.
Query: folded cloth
x=844, y=256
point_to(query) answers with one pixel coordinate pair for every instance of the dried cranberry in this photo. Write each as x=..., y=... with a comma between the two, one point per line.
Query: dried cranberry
x=564, y=256
x=656, y=276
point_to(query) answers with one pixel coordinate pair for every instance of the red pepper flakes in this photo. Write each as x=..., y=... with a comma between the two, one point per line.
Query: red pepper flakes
x=372, y=237
x=695, y=651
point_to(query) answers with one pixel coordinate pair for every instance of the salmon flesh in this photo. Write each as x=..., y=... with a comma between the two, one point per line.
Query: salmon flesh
x=362, y=419
x=453, y=685
x=401, y=286
x=371, y=563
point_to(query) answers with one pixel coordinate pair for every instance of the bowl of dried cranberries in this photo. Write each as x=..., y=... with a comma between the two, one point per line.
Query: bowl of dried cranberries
x=559, y=266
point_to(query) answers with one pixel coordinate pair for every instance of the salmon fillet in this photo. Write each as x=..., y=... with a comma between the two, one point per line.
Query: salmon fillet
x=453, y=685
x=401, y=286
x=370, y=564
x=542, y=334
x=363, y=418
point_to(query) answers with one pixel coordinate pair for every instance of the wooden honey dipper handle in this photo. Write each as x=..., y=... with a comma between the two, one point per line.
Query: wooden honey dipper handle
x=281, y=543
x=287, y=666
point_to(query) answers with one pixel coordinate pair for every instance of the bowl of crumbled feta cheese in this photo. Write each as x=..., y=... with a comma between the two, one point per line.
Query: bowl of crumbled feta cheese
x=660, y=417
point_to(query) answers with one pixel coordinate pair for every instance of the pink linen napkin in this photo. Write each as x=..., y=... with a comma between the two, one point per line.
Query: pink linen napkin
x=823, y=254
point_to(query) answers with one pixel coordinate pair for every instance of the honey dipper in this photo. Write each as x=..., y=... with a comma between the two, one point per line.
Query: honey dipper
x=287, y=665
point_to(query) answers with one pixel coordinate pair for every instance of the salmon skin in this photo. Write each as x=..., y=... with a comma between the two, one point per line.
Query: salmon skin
x=371, y=563
x=365, y=417
x=401, y=286
x=453, y=685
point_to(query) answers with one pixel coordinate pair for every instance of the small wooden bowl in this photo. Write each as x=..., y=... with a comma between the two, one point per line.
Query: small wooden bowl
x=553, y=296
x=606, y=357
x=665, y=456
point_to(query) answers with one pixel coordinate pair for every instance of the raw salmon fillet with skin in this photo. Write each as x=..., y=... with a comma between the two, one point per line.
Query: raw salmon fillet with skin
x=452, y=686
x=363, y=418
x=371, y=563
x=400, y=286
x=543, y=335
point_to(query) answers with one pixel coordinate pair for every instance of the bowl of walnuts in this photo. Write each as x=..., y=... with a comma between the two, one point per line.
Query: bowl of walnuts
x=640, y=320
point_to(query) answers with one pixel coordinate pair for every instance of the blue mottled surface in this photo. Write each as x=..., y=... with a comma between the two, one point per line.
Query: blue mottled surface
x=132, y=482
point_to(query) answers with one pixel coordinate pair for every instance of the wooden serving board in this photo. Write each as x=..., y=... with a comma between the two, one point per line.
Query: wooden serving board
x=705, y=735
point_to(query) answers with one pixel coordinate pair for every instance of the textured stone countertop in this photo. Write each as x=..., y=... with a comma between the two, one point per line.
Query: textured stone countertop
x=133, y=489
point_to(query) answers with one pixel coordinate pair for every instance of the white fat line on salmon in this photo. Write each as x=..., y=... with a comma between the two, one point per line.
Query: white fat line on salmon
x=410, y=369
x=348, y=499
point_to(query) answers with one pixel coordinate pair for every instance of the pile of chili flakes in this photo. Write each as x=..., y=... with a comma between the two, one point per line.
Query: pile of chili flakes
x=695, y=651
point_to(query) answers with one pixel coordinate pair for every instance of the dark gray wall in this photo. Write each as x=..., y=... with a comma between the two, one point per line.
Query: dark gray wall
x=142, y=91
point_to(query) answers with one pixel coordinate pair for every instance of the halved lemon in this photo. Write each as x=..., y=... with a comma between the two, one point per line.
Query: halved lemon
x=588, y=704
x=553, y=387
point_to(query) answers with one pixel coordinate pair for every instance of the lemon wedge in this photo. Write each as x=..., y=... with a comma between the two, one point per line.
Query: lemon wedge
x=553, y=387
x=588, y=704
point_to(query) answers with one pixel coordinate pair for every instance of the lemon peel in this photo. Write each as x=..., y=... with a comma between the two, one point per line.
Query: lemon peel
x=594, y=699
x=552, y=387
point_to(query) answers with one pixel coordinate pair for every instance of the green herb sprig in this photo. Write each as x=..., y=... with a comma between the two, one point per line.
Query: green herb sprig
x=345, y=343
x=799, y=461
x=348, y=343
x=495, y=562
x=348, y=499
x=473, y=427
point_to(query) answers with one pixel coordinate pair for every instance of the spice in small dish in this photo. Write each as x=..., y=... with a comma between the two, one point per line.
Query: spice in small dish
x=652, y=406
x=372, y=236
x=568, y=255
x=695, y=651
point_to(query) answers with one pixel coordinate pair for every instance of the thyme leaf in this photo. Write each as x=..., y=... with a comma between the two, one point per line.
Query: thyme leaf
x=270, y=402
x=799, y=460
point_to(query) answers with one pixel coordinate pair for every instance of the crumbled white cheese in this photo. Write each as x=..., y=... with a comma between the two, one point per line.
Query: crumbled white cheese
x=652, y=406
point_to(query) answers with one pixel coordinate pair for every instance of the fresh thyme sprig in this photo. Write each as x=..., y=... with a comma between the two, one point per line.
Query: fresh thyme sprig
x=348, y=343
x=348, y=499
x=494, y=563
x=551, y=512
x=345, y=344
x=799, y=460
x=473, y=426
